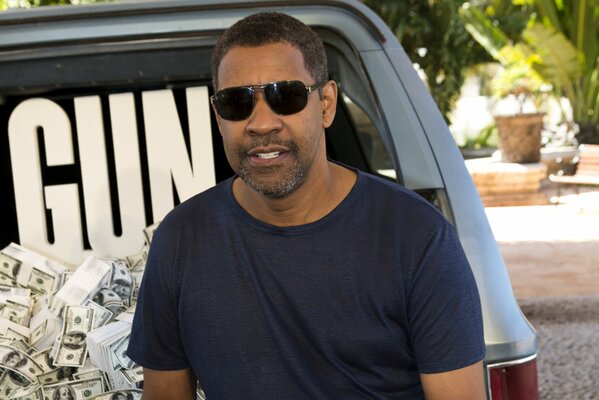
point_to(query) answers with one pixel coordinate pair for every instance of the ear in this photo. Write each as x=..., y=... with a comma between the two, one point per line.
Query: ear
x=329, y=103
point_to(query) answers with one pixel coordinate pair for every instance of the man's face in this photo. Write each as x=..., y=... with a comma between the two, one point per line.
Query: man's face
x=72, y=339
x=122, y=290
x=12, y=360
x=64, y=393
x=273, y=154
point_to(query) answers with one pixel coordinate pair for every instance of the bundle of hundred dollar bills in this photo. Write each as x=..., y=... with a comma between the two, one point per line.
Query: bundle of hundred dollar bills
x=64, y=330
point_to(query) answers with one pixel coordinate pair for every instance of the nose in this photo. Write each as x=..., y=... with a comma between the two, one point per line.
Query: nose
x=263, y=120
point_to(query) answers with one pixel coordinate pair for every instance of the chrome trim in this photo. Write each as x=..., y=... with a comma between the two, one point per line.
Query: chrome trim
x=512, y=362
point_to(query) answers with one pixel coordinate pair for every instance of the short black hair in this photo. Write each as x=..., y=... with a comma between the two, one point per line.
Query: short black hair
x=273, y=27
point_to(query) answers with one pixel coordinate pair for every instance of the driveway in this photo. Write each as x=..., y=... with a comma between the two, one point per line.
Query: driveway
x=552, y=257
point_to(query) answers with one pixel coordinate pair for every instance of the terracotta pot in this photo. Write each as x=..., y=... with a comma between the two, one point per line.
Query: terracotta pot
x=520, y=137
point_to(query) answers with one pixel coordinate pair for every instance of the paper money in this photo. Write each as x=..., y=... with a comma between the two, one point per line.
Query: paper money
x=128, y=394
x=138, y=261
x=134, y=375
x=78, y=321
x=83, y=284
x=64, y=330
x=18, y=361
x=120, y=353
x=103, y=345
x=9, y=266
x=74, y=390
x=149, y=232
x=29, y=269
x=56, y=375
x=108, y=299
x=11, y=382
x=32, y=392
x=121, y=281
x=101, y=315
x=94, y=373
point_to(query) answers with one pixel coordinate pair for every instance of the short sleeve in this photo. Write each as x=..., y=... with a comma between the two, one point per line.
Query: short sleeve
x=155, y=340
x=444, y=307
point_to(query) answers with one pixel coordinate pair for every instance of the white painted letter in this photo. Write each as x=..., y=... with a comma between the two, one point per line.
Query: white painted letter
x=62, y=200
x=168, y=158
x=94, y=171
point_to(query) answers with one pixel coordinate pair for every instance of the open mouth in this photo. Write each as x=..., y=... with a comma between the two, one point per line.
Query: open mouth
x=268, y=156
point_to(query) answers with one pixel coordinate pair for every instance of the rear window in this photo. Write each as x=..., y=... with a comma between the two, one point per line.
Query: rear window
x=100, y=140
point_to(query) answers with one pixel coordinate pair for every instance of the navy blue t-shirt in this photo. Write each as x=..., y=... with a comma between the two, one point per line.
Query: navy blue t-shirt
x=353, y=306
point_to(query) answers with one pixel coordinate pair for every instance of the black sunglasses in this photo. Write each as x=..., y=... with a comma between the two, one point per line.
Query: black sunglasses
x=284, y=98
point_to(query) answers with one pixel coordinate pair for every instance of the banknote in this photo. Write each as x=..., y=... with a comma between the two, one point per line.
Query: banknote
x=9, y=329
x=45, y=328
x=7, y=281
x=121, y=281
x=127, y=394
x=56, y=375
x=51, y=318
x=74, y=390
x=42, y=358
x=134, y=375
x=78, y=321
x=42, y=281
x=11, y=382
x=19, y=361
x=30, y=269
x=120, y=353
x=108, y=299
x=93, y=373
x=32, y=392
x=138, y=261
x=21, y=344
x=102, y=315
x=6, y=340
x=149, y=232
x=87, y=279
x=15, y=312
x=9, y=266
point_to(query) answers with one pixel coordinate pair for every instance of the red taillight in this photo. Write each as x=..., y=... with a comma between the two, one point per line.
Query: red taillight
x=514, y=381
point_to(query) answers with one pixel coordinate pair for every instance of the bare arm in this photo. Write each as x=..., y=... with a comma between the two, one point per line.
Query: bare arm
x=165, y=385
x=461, y=384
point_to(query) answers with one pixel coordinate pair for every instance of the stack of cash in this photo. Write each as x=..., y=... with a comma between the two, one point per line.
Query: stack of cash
x=64, y=330
x=107, y=347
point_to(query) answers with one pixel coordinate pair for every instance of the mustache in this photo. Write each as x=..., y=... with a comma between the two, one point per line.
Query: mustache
x=266, y=140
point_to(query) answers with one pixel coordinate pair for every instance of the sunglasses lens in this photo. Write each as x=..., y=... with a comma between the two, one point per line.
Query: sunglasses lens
x=234, y=104
x=286, y=98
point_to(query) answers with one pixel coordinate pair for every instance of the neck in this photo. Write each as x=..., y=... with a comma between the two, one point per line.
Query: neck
x=316, y=197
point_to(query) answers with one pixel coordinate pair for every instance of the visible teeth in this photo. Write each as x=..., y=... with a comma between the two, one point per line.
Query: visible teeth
x=267, y=156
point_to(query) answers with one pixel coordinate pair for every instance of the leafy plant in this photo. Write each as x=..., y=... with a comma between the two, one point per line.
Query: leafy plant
x=5, y=4
x=433, y=36
x=518, y=77
x=564, y=38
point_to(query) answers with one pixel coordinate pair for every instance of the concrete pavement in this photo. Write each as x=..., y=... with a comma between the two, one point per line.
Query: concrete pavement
x=551, y=250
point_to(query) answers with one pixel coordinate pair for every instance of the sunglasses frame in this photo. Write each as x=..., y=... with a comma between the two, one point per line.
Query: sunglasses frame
x=261, y=88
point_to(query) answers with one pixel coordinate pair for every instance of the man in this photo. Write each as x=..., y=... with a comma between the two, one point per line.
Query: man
x=300, y=278
x=14, y=359
x=63, y=392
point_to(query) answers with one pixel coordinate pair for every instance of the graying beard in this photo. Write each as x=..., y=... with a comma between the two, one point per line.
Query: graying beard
x=282, y=189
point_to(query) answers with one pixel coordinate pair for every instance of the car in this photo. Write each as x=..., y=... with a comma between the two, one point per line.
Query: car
x=105, y=125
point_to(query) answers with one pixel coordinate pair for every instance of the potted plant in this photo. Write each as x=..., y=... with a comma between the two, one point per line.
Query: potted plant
x=564, y=36
x=520, y=129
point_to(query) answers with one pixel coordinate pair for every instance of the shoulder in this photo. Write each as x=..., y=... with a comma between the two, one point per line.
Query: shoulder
x=397, y=202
